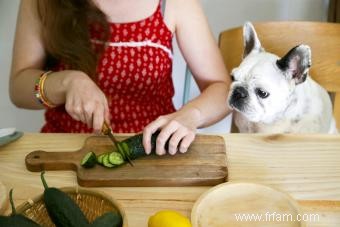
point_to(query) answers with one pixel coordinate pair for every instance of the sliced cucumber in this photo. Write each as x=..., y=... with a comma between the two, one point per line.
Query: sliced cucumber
x=100, y=158
x=89, y=160
x=121, y=150
x=106, y=161
x=126, y=149
x=134, y=146
x=116, y=158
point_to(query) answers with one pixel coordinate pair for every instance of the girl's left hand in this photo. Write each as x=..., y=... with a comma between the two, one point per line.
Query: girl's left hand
x=179, y=128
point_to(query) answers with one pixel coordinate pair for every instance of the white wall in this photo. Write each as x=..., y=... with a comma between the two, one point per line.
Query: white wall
x=10, y=116
x=222, y=14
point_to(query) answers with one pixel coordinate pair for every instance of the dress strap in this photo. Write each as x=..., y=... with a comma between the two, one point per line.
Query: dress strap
x=163, y=4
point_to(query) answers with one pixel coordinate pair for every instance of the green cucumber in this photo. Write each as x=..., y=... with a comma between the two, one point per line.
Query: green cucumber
x=133, y=146
x=121, y=151
x=89, y=160
x=16, y=220
x=63, y=211
x=106, y=161
x=127, y=150
x=100, y=158
x=116, y=158
x=109, y=219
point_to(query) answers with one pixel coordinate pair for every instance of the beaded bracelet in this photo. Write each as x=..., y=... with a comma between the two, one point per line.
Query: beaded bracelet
x=39, y=90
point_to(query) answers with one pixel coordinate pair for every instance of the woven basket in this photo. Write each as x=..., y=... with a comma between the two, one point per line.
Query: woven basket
x=92, y=203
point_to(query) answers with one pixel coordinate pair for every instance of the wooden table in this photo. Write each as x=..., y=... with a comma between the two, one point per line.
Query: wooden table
x=307, y=167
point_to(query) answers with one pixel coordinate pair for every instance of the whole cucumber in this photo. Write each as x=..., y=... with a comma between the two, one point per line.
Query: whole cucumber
x=108, y=219
x=63, y=211
x=16, y=220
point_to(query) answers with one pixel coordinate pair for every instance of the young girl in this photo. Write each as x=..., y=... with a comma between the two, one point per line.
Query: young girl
x=90, y=61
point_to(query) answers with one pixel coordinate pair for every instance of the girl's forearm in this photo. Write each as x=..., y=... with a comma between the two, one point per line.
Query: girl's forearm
x=211, y=105
x=22, y=88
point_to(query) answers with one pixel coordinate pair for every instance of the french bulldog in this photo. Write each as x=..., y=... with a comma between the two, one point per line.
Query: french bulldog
x=276, y=95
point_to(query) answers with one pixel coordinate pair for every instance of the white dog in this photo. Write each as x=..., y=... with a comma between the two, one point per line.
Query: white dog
x=276, y=95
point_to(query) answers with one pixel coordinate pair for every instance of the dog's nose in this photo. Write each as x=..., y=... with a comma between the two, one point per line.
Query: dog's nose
x=240, y=93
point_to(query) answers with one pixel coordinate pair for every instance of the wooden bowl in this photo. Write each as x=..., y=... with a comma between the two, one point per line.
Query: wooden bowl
x=221, y=205
x=92, y=203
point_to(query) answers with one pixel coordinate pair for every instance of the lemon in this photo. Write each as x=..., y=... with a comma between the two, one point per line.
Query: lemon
x=168, y=218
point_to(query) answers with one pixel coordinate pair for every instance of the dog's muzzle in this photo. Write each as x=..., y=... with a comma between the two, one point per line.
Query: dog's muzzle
x=238, y=97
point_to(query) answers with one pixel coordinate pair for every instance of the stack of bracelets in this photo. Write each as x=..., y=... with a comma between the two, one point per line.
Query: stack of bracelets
x=39, y=90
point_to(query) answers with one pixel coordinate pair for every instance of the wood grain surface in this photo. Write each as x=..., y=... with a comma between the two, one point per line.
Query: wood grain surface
x=203, y=165
x=305, y=166
x=336, y=111
x=3, y=198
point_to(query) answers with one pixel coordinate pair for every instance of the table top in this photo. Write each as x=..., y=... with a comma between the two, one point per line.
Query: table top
x=305, y=166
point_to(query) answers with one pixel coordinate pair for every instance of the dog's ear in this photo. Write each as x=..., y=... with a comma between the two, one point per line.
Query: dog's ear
x=296, y=63
x=250, y=40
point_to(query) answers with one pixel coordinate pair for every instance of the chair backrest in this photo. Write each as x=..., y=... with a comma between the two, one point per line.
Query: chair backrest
x=280, y=37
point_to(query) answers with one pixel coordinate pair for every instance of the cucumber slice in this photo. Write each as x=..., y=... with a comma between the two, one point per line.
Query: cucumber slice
x=106, y=161
x=100, y=158
x=116, y=158
x=89, y=160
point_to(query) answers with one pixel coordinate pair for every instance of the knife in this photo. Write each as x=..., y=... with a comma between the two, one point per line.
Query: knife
x=106, y=130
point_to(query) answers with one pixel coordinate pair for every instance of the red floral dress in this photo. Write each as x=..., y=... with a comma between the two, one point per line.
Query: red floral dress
x=134, y=72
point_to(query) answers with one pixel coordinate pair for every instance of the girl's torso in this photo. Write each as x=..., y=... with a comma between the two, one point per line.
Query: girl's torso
x=134, y=72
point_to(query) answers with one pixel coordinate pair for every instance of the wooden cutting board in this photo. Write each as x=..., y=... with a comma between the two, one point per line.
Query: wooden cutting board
x=203, y=165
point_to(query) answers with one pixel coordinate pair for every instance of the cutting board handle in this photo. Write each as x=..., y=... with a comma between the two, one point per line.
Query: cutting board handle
x=41, y=160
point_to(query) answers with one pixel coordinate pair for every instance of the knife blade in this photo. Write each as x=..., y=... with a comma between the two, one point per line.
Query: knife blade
x=106, y=130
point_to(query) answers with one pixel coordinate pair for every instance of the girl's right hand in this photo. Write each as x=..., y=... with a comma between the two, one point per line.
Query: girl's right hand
x=85, y=102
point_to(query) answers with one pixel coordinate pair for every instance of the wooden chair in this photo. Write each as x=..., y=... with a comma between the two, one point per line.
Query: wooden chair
x=280, y=37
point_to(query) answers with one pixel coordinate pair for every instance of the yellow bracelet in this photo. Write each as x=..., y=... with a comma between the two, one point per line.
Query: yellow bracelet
x=39, y=90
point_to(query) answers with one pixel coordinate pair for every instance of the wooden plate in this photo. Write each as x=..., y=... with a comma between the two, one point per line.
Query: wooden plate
x=223, y=204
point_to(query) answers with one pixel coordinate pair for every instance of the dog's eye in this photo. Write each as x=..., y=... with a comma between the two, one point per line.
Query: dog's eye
x=261, y=93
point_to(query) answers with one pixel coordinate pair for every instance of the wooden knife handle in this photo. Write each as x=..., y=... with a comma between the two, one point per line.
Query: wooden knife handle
x=41, y=160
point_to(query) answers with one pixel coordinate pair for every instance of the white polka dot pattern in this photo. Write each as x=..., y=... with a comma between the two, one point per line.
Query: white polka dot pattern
x=136, y=79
